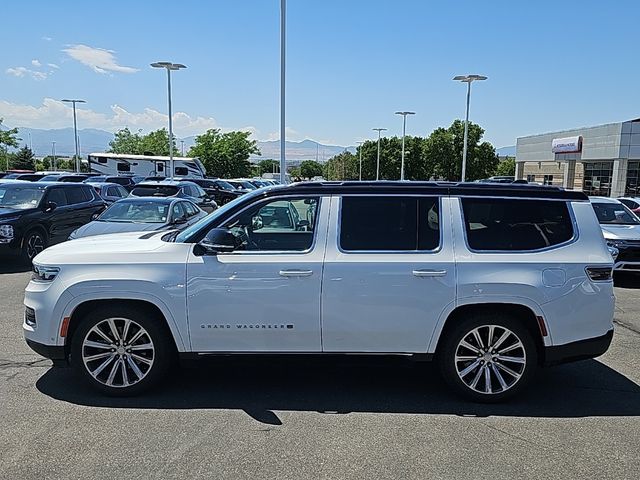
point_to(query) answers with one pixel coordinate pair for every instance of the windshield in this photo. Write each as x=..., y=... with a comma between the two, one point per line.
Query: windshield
x=615, y=214
x=224, y=185
x=187, y=234
x=97, y=179
x=155, y=191
x=20, y=197
x=135, y=212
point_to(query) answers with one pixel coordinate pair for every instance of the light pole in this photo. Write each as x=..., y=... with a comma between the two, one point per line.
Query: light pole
x=378, y=161
x=360, y=150
x=75, y=129
x=53, y=154
x=182, y=145
x=468, y=79
x=169, y=67
x=283, y=57
x=404, y=131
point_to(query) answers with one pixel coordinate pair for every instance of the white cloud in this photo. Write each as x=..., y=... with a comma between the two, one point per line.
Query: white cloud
x=46, y=39
x=23, y=71
x=53, y=65
x=290, y=134
x=99, y=60
x=36, y=63
x=55, y=114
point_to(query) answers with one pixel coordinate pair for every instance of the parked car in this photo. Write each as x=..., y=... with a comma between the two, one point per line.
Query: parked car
x=220, y=190
x=632, y=203
x=51, y=177
x=490, y=282
x=621, y=230
x=242, y=185
x=109, y=192
x=29, y=177
x=181, y=189
x=139, y=214
x=127, y=181
x=36, y=215
x=76, y=177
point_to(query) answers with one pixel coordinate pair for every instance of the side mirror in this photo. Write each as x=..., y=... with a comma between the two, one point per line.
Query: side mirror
x=303, y=225
x=50, y=206
x=179, y=220
x=218, y=240
x=95, y=215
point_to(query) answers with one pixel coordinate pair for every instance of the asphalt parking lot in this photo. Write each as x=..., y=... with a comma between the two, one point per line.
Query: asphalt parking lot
x=330, y=418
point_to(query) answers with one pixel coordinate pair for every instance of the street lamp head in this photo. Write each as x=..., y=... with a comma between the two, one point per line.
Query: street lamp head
x=379, y=129
x=168, y=65
x=469, y=78
x=72, y=101
x=405, y=113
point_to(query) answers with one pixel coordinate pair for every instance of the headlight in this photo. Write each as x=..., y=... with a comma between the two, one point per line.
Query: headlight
x=617, y=243
x=6, y=231
x=42, y=273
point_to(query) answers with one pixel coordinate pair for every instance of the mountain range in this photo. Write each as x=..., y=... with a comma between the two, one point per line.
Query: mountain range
x=96, y=140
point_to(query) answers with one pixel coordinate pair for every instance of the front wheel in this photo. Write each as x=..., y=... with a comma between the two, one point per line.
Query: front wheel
x=121, y=351
x=35, y=241
x=488, y=357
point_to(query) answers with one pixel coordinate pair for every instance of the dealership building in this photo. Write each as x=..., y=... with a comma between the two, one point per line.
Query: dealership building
x=601, y=160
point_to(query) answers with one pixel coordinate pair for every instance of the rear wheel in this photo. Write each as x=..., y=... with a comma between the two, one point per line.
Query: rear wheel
x=35, y=241
x=488, y=357
x=121, y=351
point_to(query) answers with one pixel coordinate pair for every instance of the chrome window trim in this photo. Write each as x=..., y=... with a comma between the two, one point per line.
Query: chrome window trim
x=438, y=249
x=276, y=252
x=572, y=240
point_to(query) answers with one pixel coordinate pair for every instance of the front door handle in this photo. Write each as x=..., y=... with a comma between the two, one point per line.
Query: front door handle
x=296, y=273
x=426, y=272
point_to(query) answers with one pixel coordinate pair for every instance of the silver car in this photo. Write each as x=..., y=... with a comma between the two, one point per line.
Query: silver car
x=139, y=214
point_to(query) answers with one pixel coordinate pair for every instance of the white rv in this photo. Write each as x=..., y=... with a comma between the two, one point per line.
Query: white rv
x=145, y=165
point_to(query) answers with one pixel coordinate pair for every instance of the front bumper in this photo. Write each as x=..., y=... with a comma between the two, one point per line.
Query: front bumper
x=580, y=350
x=57, y=353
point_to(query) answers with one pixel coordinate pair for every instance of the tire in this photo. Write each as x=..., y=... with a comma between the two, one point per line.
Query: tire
x=34, y=242
x=122, y=368
x=464, y=359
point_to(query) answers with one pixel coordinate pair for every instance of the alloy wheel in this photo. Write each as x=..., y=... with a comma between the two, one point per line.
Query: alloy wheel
x=118, y=352
x=35, y=245
x=490, y=359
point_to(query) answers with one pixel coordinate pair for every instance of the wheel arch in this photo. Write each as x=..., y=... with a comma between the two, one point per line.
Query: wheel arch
x=81, y=308
x=526, y=314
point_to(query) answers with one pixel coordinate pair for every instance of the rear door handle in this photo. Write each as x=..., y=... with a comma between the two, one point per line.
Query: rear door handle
x=426, y=272
x=296, y=273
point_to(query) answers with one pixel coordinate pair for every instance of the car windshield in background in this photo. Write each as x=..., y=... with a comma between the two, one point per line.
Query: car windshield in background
x=224, y=185
x=135, y=212
x=615, y=214
x=98, y=179
x=155, y=191
x=20, y=197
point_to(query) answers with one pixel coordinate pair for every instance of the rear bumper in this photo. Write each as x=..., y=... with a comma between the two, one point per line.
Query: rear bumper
x=580, y=350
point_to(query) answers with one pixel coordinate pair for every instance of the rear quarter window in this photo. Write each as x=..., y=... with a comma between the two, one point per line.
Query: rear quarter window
x=515, y=224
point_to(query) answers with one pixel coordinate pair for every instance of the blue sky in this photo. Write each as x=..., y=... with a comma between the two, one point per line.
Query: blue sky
x=551, y=65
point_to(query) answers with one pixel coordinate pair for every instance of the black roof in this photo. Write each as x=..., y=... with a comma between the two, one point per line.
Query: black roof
x=162, y=200
x=47, y=184
x=431, y=188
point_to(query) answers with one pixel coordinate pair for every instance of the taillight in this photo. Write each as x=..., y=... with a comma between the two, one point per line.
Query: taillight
x=599, y=274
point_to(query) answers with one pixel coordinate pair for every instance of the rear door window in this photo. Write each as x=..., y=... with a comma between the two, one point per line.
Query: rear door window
x=57, y=196
x=389, y=223
x=493, y=224
x=76, y=195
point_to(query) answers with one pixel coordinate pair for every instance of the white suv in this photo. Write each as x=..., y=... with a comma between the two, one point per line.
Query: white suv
x=490, y=280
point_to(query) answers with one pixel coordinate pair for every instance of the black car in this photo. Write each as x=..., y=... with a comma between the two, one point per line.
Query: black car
x=36, y=215
x=221, y=190
x=29, y=177
x=76, y=177
x=127, y=181
x=182, y=189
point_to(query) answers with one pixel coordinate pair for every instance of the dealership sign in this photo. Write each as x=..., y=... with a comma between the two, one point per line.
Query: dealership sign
x=567, y=145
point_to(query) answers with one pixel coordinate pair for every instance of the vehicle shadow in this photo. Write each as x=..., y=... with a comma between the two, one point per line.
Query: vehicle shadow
x=626, y=280
x=341, y=385
x=13, y=265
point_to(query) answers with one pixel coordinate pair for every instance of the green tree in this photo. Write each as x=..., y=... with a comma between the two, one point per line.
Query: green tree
x=506, y=167
x=8, y=138
x=343, y=166
x=310, y=169
x=225, y=155
x=444, y=147
x=153, y=143
x=23, y=159
x=268, y=166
